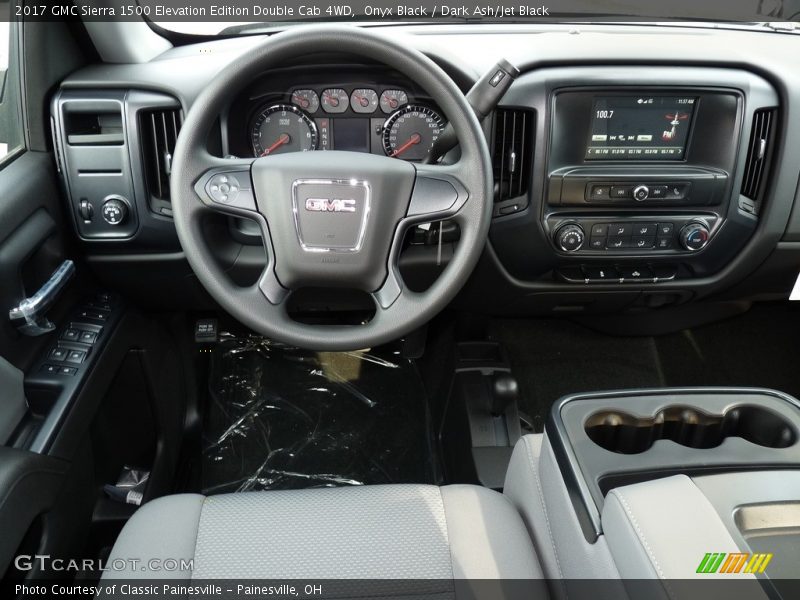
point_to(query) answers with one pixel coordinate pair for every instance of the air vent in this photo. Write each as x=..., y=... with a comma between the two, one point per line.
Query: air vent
x=512, y=151
x=758, y=155
x=159, y=132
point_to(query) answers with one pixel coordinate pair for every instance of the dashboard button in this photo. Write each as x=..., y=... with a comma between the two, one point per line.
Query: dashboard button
x=644, y=229
x=621, y=191
x=599, y=230
x=658, y=192
x=598, y=243
x=635, y=273
x=617, y=242
x=600, y=192
x=666, y=228
x=642, y=243
x=601, y=273
x=617, y=229
x=664, y=243
x=677, y=191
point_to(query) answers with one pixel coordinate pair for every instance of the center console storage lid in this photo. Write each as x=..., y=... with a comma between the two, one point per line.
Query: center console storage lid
x=607, y=440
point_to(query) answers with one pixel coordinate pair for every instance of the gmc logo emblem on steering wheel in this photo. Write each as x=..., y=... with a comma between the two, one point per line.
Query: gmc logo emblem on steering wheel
x=331, y=205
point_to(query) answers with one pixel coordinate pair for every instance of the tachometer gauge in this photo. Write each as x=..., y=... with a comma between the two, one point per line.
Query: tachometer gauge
x=306, y=99
x=391, y=100
x=410, y=132
x=283, y=128
x=364, y=101
x=335, y=100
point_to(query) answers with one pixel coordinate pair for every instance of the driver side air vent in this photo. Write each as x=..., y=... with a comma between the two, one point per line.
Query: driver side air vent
x=512, y=153
x=159, y=132
x=756, y=168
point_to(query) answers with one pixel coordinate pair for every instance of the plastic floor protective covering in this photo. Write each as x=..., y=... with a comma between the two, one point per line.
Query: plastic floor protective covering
x=284, y=418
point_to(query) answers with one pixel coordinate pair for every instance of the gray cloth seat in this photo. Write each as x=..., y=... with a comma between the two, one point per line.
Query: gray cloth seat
x=371, y=532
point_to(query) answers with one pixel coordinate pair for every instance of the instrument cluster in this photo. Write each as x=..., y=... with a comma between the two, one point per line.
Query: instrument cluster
x=377, y=120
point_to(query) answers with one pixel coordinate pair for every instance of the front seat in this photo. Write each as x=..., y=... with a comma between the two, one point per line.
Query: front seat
x=372, y=532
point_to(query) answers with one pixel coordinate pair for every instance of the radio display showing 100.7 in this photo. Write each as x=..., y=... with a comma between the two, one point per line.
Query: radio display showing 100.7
x=640, y=127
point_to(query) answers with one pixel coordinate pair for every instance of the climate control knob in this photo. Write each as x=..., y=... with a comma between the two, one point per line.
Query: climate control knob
x=695, y=236
x=570, y=238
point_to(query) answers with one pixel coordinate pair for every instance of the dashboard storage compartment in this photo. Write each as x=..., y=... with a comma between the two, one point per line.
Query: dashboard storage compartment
x=610, y=439
x=625, y=433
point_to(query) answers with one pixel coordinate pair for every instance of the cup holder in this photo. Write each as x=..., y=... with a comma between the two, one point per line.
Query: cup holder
x=623, y=433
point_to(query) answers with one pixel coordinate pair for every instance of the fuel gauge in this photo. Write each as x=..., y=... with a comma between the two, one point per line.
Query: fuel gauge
x=306, y=99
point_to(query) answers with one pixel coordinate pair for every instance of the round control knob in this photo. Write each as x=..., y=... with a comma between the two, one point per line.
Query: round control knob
x=641, y=192
x=114, y=210
x=570, y=238
x=695, y=236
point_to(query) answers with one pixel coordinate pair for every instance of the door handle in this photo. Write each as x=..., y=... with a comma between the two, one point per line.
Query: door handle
x=29, y=317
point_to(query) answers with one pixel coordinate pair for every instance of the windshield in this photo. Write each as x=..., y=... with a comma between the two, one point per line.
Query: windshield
x=208, y=17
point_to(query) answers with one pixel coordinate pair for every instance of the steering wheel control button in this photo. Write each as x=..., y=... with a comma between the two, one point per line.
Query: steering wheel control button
x=695, y=236
x=570, y=238
x=114, y=210
x=641, y=193
x=231, y=189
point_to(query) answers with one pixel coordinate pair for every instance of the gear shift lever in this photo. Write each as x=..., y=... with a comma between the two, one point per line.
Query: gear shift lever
x=505, y=391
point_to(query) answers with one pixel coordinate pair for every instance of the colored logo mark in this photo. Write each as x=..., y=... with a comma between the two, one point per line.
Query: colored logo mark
x=735, y=562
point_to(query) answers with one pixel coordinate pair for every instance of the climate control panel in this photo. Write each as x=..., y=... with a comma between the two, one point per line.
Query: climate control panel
x=674, y=234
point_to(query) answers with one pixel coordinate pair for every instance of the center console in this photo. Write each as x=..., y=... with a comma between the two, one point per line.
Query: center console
x=671, y=491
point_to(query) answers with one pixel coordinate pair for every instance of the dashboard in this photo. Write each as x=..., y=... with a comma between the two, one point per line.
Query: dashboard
x=353, y=108
x=625, y=180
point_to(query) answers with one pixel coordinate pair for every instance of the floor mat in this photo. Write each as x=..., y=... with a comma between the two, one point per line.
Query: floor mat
x=552, y=358
x=284, y=418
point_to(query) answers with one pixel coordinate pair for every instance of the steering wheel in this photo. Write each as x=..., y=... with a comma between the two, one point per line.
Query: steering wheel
x=332, y=218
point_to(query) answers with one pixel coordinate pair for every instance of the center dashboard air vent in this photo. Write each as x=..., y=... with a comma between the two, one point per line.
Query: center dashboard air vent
x=512, y=155
x=159, y=129
x=754, y=181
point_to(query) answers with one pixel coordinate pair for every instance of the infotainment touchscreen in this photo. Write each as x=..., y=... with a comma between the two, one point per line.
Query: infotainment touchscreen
x=640, y=127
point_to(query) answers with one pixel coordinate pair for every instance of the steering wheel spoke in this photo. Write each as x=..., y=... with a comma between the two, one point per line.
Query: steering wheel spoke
x=438, y=193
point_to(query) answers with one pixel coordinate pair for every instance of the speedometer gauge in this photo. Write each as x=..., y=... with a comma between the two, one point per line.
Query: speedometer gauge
x=410, y=132
x=283, y=128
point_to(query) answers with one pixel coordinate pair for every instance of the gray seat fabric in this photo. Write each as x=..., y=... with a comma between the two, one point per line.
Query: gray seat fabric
x=371, y=532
